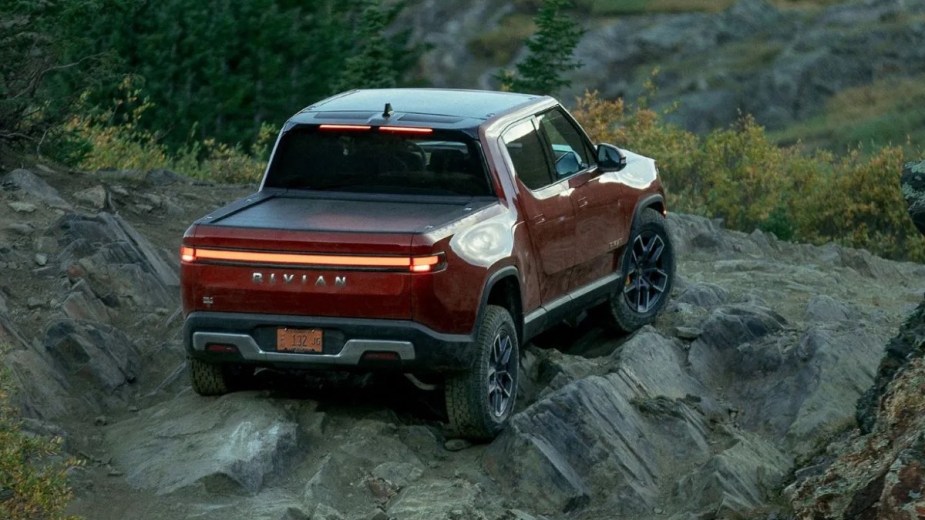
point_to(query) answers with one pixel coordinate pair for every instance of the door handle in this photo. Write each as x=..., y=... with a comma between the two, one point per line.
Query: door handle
x=539, y=219
x=582, y=202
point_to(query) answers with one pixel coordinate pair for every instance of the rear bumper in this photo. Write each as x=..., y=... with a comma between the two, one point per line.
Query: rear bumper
x=348, y=343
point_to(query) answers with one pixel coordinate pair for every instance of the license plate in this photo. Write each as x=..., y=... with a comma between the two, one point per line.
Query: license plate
x=298, y=340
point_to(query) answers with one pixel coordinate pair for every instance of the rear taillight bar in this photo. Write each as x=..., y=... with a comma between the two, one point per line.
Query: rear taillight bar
x=415, y=264
x=425, y=264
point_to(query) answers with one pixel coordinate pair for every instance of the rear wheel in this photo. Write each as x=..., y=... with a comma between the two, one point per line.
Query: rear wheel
x=218, y=379
x=647, y=274
x=480, y=400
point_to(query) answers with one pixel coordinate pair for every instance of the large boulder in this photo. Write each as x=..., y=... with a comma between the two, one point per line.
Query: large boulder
x=617, y=442
x=912, y=183
x=78, y=369
x=877, y=475
x=29, y=186
x=368, y=465
x=229, y=444
x=97, y=358
x=907, y=345
x=120, y=265
x=792, y=387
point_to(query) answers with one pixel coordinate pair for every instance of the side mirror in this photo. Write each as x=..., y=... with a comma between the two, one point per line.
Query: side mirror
x=567, y=164
x=610, y=158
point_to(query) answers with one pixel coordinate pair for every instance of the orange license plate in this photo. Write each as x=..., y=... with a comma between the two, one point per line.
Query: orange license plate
x=299, y=340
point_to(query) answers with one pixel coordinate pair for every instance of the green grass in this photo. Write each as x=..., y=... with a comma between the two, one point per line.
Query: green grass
x=625, y=7
x=499, y=45
x=630, y=7
x=805, y=4
x=887, y=112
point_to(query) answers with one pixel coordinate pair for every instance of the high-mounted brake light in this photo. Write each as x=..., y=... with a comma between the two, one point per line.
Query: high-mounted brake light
x=406, y=130
x=187, y=254
x=387, y=129
x=344, y=127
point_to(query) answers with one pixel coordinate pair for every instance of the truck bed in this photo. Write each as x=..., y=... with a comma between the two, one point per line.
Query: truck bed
x=356, y=214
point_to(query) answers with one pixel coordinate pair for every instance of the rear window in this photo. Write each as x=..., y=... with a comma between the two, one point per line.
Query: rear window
x=373, y=161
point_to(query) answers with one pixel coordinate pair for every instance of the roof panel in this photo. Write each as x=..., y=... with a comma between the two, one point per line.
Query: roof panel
x=475, y=104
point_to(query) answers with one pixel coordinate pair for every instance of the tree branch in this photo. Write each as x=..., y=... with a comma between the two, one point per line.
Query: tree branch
x=38, y=76
x=13, y=136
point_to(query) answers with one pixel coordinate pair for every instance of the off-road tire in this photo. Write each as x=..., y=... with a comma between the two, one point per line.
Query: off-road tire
x=218, y=379
x=647, y=274
x=472, y=412
x=208, y=378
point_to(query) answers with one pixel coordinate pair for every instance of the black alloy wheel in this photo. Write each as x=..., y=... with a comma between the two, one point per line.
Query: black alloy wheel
x=481, y=399
x=647, y=277
x=501, y=384
x=647, y=274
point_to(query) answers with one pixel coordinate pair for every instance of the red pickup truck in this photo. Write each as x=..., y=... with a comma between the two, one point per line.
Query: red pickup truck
x=427, y=231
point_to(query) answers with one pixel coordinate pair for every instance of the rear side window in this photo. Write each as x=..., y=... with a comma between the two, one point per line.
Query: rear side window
x=526, y=151
x=370, y=161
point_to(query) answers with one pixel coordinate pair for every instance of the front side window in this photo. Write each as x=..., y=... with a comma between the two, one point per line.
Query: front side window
x=568, y=148
x=526, y=151
x=438, y=162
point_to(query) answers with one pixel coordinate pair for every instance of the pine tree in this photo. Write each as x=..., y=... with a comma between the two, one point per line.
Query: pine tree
x=31, y=56
x=372, y=64
x=550, y=52
x=220, y=68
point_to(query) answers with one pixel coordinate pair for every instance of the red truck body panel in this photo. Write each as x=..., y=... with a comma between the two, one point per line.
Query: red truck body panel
x=427, y=262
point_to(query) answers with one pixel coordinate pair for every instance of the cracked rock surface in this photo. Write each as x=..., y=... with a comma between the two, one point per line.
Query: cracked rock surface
x=753, y=370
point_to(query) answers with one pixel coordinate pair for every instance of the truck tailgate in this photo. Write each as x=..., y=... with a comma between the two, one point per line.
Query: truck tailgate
x=308, y=256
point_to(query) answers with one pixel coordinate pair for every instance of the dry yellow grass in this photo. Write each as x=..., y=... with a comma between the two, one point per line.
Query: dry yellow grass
x=621, y=7
x=886, y=112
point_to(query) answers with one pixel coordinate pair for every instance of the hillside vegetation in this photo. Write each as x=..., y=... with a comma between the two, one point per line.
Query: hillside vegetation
x=739, y=174
x=33, y=475
x=202, y=88
x=888, y=112
x=200, y=95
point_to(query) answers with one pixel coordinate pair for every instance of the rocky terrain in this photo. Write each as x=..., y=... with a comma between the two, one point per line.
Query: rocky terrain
x=745, y=387
x=778, y=64
x=878, y=471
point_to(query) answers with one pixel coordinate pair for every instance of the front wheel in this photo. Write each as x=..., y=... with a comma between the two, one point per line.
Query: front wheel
x=480, y=400
x=647, y=270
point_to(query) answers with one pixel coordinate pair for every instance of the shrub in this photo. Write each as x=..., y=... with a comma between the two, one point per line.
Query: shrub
x=855, y=200
x=33, y=477
x=740, y=175
x=641, y=129
x=116, y=139
x=745, y=174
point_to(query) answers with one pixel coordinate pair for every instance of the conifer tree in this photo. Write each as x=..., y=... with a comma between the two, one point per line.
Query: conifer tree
x=372, y=64
x=218, y=69
x=550, y=52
